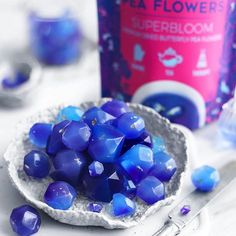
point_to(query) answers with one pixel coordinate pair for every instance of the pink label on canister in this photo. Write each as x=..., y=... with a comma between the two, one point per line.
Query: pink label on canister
x=173, y=40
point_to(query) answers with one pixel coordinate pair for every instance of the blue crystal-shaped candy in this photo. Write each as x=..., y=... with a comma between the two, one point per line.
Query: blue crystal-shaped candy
x=129, y=188
x=69, y=166
x=55, y=140
x=122, y=206
x=185, y=210
x=101, y=188
x=144, y=139
x=96, y=168
x=130, y=124
x=95, y=115
x=39, y=134
x=36, y=164
x=151, y=190
x=158, y=144
x=164, y=167
x=76, y=136
x=205, y=178
x=25, y=220
x=95, y=207
x=115, y=107
x=136, y=162
x=60, y=195
x=70, y=113
x=106, y=143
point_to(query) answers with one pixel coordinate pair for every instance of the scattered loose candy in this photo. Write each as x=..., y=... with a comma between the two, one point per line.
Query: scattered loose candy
x=205, y=178
x=25, y=220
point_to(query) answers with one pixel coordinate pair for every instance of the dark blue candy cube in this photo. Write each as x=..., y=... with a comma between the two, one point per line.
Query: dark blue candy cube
x=95, y=116
x=25, y=220
x=136, y=162
x=69, y=166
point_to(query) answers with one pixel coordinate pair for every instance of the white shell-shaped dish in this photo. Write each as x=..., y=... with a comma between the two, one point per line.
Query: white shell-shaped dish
x=33, y=190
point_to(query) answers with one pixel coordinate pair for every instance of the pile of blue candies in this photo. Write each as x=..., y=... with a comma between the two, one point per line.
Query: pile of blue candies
x=105, y=154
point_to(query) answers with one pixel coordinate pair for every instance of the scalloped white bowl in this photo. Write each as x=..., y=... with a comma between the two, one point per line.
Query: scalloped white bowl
x=33, y=190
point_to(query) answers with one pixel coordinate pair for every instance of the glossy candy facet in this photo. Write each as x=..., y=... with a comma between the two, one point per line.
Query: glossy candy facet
x=122, y=206
x=105, y=144
x=60, y=195
x=131, y=125
x=25, y=220
x=164, y=166
x=39, y=134
x=36, y=164
x=95, y=116
x=96, y=168
x=205, y=178
x=136, y=162
x=69, y=166
x=55, y=143
x=71, y=113
x=115, y=107
x=151, y=190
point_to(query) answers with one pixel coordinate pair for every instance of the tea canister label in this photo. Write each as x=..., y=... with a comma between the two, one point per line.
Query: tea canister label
x=166, y=54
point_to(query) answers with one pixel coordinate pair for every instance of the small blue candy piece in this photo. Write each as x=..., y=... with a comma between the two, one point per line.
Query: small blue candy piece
x=136, y=162
x=144, y=139
x=36, y=164
x=158, y=144
x=60, y=195
x=39, y=134
x=151, y=190
x=13, y=83
x=55, y=140
x=122, y=206
x=130, y=124
x=101, y=188
x=164, y=167
x=95, y=115
x=115, y=107
x=106, y=143
x=76, y=136
x=95, y=207
x=129, y=188
x=185, y=210
x=96, y=168
x=70, y=113
x=69, y=166
x=205, y=178
x=25, y=220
